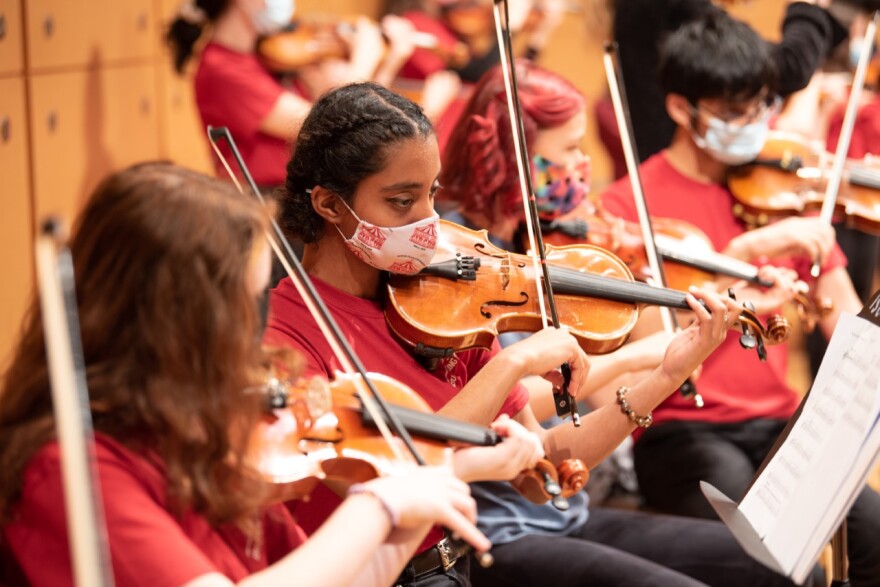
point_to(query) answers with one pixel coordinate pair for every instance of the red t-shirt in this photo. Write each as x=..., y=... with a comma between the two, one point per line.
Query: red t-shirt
x=423, y=62
x=233, y=89
x=148, y=545
x=363, y=324
x=866, y=131
x=735, y=384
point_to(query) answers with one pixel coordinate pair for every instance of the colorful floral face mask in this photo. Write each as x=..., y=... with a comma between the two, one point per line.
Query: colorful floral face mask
x=559, y=188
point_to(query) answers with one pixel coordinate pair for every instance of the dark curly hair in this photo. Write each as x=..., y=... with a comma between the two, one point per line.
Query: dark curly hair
x=344, y=140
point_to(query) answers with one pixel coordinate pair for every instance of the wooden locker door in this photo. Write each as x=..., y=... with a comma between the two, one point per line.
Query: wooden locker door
x=64, y=34
x=16, y=233
x=11, y=38
x=182, y=133
x=86, y=124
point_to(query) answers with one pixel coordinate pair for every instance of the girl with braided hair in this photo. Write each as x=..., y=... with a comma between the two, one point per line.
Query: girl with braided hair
x=360, y=193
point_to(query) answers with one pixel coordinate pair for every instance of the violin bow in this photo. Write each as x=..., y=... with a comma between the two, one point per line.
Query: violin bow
x=832, y=188
x=565, y=406
x=350, y=362
x=87, y=532
x=346, y=356
x=610, y=60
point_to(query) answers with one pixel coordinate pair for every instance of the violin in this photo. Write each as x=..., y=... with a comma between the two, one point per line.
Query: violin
x=473, y=291
x=319, y=431
x=687, y=253
x=307, y=42
x=789, y=177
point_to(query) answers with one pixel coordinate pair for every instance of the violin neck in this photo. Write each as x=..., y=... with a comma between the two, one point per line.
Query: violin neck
x=575, y=283
x=864, y=176
x=440, y=428
x=709, y=261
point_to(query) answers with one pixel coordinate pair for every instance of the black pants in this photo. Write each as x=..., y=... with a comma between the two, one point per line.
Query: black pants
x=457, y=576
x=671, y=459
x=618, y=548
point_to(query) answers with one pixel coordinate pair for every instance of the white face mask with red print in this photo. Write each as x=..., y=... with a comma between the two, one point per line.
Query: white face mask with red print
x=405, y=250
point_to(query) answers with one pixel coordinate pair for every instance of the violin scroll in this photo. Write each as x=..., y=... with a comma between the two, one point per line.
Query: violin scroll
x=554, y=483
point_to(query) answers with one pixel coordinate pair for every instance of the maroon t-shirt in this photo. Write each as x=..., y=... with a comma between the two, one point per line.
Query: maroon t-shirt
x=734, y=383
x=149, y=546
x=233, y=89
x=363, y=324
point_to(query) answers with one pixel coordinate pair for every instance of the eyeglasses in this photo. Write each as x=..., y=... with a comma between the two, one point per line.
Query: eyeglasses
x=766, y=108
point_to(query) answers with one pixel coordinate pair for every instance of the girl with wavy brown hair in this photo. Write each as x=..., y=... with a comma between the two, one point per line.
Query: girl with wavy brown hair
x=171, y=267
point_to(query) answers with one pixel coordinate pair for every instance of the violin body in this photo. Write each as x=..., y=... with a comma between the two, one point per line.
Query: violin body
x=503, y=297
x=624, y=239
x=473, y=291
x=676, y=240
x=310, y=41
x=789, y=178
x=324, y=434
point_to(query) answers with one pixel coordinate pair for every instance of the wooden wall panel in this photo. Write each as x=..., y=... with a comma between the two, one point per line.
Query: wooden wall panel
x=16, y=261
x=11, y=38
x=63, y=34
x=86, y=124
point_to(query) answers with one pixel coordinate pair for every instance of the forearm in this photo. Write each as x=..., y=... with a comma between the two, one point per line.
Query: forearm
x=603, y=429
x=387, y=71
x=837, y=286
x=311, y=565
x=481, y=398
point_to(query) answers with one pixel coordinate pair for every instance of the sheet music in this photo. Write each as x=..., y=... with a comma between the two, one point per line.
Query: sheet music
x=788, y=502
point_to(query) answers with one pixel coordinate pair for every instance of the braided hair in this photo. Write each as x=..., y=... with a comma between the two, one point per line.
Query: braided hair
x=344, y=140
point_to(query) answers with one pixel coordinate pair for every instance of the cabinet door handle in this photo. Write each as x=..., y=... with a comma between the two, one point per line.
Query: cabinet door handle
x=5, y=129
x=2, y=26
x=52, y=121
x=49, y=25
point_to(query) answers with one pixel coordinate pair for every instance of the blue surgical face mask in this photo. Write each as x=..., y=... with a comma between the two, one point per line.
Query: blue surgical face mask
x=274, y=16
x=732, y=144
x=855, y=50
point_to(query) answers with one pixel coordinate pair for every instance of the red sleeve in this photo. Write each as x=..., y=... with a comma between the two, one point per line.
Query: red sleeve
x=235, y=89
x=618, y=200
x=423, y=62
x=148, y=546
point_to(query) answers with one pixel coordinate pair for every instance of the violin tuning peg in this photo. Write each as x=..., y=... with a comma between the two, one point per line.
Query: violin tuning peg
x=748, y=340
x=560, y=503
x=551, y=486
x=762, y=351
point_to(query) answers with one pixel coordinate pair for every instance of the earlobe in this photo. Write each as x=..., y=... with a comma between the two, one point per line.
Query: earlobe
x=326, y=204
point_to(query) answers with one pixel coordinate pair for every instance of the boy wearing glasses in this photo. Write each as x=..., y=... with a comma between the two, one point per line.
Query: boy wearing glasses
x=718, y=79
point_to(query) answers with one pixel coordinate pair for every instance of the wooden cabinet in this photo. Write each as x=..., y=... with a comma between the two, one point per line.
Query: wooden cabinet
x=182, y=135
x=85, y=124
x=11, y=38
x=63, y=34
x=16, y=262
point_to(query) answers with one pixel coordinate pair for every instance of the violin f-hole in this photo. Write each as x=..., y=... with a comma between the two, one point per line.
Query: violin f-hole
x=504, y=303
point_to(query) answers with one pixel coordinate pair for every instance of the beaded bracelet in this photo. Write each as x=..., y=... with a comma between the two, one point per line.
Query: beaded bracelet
x=363, y=488
x=640, y=421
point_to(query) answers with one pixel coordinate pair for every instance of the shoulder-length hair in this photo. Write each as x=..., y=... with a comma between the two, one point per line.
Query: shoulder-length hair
x=170, y=335
x=479, y=164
